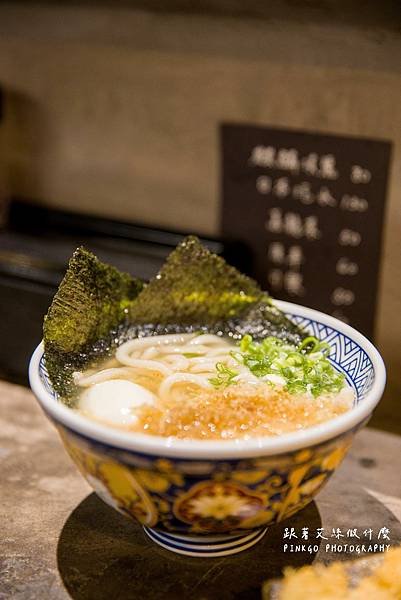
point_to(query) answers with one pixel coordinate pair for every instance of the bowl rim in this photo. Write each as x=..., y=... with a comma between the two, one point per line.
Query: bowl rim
x=222, y=449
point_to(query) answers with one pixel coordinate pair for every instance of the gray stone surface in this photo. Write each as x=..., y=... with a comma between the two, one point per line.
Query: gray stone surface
x=57, y=540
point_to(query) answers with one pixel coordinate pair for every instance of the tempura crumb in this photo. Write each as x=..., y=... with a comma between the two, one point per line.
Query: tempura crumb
x=341, y=581
x=330, y=583
x=240, y=411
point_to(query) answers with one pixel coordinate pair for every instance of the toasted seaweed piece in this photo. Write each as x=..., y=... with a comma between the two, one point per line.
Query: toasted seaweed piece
x=199, y=289
x=92, y=300
x=195, y=285
x=262, y=320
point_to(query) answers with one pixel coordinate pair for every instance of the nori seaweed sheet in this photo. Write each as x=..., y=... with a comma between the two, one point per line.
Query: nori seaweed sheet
x=97, y=308
x=92, y=300
x=195, y=285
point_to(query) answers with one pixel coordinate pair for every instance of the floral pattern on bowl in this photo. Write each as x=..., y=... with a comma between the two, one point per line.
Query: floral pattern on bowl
x=204, y=500
x=234, y=496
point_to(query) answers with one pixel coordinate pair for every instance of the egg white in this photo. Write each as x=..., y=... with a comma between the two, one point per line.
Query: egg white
x=115, y=401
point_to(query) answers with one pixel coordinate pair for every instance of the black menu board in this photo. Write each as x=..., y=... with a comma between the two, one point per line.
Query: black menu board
x=310, y=207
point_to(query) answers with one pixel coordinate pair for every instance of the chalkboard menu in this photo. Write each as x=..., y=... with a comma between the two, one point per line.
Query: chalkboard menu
x=310, y=207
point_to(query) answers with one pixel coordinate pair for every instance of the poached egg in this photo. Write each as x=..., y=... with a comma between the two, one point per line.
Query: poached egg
x=115, y=401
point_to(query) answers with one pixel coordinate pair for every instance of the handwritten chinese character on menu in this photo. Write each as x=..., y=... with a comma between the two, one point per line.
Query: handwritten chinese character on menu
x=310, y=207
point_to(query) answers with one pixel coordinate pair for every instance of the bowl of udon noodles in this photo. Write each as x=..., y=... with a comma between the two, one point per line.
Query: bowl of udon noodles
x=209, y=431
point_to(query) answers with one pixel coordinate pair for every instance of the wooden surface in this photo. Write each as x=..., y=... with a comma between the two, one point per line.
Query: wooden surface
x=59, y=541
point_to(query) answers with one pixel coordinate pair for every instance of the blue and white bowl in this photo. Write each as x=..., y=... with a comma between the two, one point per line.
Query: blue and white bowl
x=213, y=498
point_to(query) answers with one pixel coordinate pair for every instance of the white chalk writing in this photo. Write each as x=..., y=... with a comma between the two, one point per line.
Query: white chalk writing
x=288, y=159
x=345, y=266
x=342, y=297
x=292, y=224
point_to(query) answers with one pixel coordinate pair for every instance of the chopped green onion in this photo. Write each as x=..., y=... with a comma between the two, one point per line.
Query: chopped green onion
x=305, y=368
x=224, y=376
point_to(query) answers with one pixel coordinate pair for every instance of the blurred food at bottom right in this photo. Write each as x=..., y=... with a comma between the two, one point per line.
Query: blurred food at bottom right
x=375, y=578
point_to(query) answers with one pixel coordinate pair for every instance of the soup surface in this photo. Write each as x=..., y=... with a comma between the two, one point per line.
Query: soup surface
x=202, y=386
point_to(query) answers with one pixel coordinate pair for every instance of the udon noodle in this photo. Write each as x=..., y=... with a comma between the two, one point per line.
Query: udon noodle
x=166, y=385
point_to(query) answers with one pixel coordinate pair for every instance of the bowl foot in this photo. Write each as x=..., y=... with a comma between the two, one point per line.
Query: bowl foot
x=207, y=546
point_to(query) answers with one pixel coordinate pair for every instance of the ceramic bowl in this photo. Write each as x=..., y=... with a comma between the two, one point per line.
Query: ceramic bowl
x=212, y=498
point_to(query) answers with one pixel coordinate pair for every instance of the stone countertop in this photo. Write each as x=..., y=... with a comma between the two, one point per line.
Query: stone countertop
x=57, y=540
